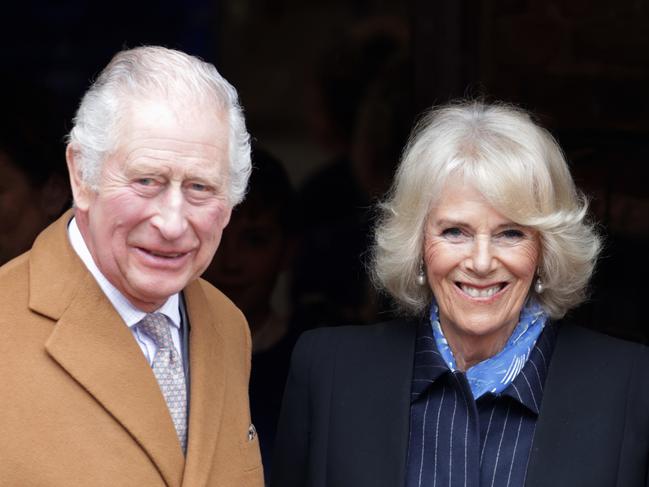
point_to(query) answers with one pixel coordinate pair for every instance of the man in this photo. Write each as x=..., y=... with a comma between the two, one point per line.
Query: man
x=119, y=366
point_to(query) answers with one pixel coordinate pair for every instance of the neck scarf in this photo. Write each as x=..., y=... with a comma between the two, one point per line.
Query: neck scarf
x=496, y=373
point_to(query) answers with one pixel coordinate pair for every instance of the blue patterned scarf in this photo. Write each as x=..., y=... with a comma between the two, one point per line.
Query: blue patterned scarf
x=496, y=373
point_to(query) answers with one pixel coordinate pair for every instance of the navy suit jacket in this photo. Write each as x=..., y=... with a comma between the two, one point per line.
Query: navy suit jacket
x=345, y=415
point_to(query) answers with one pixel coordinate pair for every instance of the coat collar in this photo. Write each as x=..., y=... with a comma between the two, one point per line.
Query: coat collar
x=98, y=351
x=397, y=373
x=526, y=388
x=428, y=362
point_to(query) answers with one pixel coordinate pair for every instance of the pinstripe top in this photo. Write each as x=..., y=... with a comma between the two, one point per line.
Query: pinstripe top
x=456, y=441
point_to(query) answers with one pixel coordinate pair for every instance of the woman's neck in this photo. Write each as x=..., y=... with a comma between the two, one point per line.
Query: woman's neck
x=469, y=350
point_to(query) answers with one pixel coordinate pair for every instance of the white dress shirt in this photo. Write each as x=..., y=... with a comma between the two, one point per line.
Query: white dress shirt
x=129, y=313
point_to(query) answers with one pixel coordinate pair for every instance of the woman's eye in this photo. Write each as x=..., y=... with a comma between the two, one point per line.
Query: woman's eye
x=513, y=234
x=452, y=232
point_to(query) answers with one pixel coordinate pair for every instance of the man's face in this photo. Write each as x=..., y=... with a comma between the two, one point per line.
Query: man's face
x=156, y=219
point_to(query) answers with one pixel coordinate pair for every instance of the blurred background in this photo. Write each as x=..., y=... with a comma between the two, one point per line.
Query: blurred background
x=330, y=89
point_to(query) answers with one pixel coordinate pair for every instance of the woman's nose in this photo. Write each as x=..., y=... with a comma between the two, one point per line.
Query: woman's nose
x=481, y=259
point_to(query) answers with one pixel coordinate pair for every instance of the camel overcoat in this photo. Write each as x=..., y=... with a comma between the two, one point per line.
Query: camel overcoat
x=79, y=404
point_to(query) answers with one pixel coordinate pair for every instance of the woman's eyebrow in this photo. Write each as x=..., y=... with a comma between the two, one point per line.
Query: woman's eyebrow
x=449, y=222
x=446, y=222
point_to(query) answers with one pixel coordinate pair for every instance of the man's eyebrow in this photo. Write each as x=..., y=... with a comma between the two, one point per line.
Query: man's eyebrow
x=144, y=166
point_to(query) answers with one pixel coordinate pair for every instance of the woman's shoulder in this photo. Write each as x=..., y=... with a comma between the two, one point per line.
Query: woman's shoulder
x=361, y=334
x=328, y=344
x=596, y=342
x=594, y=350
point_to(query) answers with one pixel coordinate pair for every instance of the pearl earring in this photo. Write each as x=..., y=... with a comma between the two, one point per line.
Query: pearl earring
x=421, y=275
x=538, y=286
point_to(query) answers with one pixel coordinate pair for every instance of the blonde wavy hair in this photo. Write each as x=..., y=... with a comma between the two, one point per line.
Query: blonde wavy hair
x=519, y=169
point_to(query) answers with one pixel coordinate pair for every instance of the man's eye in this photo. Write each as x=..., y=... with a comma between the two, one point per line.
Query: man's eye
x=146, y=181
x=198, y=187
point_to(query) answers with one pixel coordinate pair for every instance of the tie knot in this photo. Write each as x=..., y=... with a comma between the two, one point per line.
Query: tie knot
x=156, y=326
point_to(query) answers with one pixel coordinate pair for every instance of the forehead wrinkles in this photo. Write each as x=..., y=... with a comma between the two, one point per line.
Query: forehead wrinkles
x=170, y=144
x=147, y=156
x=189, y=156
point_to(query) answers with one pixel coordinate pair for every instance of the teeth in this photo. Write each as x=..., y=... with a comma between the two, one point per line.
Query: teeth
x=168, y=256
x=480, y=293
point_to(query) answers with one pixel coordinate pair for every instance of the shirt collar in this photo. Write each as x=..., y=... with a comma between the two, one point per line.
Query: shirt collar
x=526, y=388
x=129, y=313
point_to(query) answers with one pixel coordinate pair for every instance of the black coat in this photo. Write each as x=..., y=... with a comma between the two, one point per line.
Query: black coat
x=345, y=415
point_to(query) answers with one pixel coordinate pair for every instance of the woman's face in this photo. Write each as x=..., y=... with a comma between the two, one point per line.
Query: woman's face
x=479, y=265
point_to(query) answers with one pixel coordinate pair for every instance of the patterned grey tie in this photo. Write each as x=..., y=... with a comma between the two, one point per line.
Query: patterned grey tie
x=168, y=370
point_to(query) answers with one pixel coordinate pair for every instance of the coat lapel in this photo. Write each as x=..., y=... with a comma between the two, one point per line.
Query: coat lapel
x=98, y=351
x=207, y=387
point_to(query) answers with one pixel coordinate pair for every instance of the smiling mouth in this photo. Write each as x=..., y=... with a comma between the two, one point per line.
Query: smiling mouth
x=164, y=255
x=481, y=292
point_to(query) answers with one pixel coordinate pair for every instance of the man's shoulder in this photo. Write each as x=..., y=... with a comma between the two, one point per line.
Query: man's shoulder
x=223, y=313
x=13, y=281
x=17, y=265
x=218, y=302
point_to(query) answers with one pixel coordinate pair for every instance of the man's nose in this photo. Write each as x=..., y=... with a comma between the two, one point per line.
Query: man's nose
x=170, y=218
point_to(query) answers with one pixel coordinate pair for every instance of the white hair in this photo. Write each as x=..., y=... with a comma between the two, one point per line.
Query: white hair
x=520, y=170
x=151, y=71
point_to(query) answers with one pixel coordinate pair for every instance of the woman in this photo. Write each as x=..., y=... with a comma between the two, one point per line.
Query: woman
x=484, y=244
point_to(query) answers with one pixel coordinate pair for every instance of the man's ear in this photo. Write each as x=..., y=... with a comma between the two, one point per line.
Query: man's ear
x=80, y=189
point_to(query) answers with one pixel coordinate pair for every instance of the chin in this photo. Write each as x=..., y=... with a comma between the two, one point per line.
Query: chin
x=481, y=326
